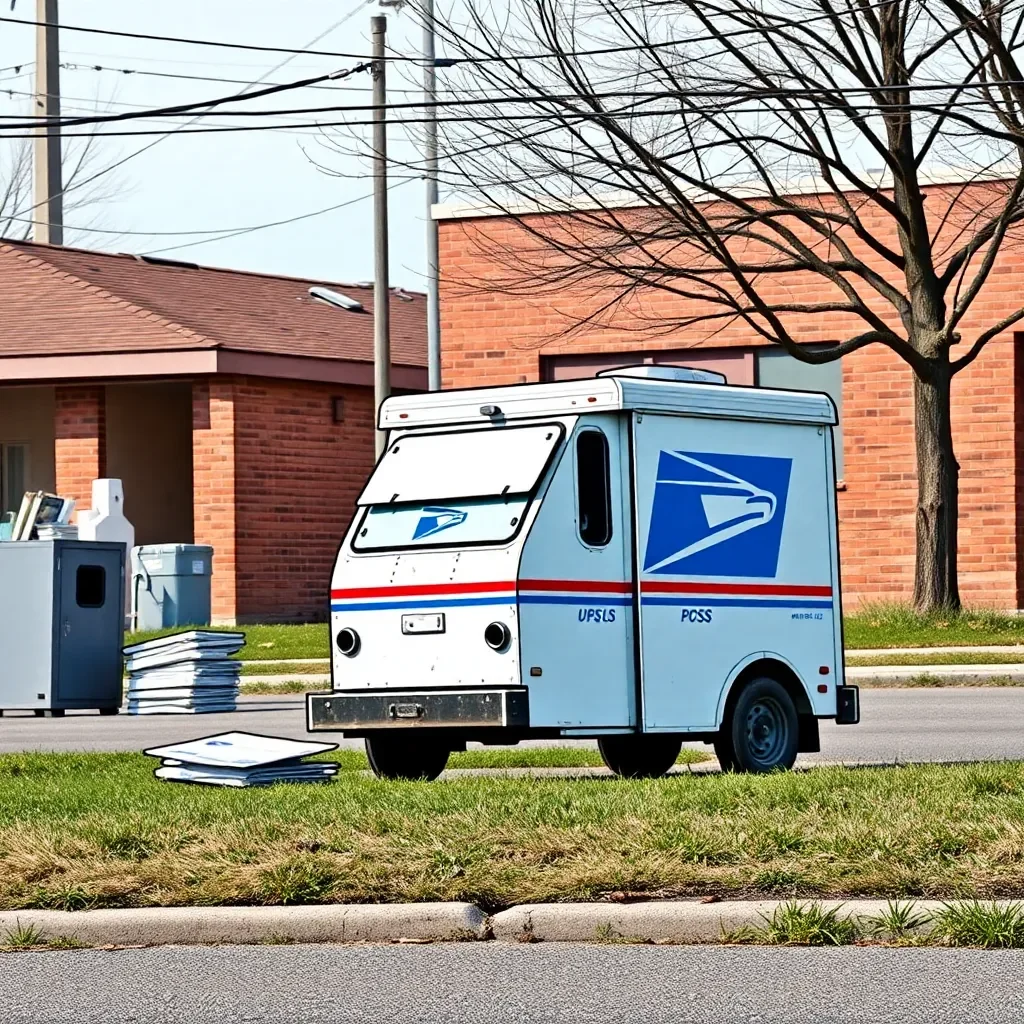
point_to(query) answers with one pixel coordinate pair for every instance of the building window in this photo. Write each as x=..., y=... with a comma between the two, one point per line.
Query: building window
x=13, y=473
x=593, y=488
x=776, y=368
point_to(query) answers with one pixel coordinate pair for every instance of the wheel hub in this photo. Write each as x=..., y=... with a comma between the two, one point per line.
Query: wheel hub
x=767, y=731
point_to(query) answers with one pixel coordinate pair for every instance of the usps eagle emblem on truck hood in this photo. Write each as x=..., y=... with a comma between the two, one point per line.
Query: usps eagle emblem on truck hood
x=706, y=510
x=436, y=518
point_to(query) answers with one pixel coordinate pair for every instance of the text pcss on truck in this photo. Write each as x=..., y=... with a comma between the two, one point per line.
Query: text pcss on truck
x=645, y=557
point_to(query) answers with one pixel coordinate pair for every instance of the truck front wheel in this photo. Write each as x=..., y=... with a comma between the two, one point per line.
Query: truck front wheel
x=762, y=731
x=647, y=756
x=401, y=756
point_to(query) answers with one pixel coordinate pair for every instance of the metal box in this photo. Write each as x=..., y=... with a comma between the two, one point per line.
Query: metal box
x=171, y=585
x=61, y=625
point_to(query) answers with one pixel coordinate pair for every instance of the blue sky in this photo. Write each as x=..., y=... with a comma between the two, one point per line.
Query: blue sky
x=197, y=182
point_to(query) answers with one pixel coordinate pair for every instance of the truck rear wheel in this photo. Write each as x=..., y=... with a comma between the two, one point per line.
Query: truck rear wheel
x=646, y=756
x=401, y=756
x=762, y=732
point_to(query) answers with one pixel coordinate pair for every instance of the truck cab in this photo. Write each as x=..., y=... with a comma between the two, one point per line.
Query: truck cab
x=642, y=558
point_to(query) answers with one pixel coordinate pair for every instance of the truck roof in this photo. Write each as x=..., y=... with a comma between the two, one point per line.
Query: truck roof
x=609, y=393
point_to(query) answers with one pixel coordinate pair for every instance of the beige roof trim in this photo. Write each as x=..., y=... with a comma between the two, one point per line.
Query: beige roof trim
x=197, y=363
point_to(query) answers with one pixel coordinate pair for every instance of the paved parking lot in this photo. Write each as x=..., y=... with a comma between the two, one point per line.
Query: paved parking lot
x=945, y=724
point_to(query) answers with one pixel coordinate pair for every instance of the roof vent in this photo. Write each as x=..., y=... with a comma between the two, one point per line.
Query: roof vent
x=679, y=374
x=333, y=298
x=161, y=261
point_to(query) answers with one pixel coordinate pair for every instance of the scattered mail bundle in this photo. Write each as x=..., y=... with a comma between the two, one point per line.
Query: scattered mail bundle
x=186, y=673
x=242, y=759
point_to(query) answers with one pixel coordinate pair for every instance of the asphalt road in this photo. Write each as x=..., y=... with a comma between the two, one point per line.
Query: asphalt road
x=947, y=724
x=468, y=983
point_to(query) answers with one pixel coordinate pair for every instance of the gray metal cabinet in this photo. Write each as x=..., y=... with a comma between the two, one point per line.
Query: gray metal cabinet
x=61, y=625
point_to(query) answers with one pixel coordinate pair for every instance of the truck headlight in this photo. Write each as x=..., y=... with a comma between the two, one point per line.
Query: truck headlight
x=348, y=642
x=497, y=636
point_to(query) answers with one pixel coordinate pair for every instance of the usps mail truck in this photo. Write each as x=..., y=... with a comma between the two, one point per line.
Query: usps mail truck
x=643, y=558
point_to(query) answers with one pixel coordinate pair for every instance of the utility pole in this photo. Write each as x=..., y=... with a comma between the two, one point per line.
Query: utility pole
x=381, y=290
x=47, y=190
x=430, y=158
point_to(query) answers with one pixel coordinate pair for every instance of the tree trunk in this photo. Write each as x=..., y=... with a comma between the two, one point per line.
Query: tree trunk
x=938, y=487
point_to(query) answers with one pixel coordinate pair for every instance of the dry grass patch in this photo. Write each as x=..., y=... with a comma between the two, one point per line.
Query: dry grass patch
x=97, y=830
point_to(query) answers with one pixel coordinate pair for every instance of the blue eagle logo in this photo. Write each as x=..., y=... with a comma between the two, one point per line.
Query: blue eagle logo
x=436, y=518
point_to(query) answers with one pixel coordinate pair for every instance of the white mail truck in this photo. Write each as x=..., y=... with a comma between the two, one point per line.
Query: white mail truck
x=642, y=558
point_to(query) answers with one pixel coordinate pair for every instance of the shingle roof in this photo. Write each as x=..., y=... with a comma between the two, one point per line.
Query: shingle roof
x=59, y=300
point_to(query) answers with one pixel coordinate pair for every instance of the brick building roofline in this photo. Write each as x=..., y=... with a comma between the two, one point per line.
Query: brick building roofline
x=808, y=186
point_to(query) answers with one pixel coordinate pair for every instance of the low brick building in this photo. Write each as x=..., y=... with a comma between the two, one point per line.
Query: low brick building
x=236, y=408
x=491, y=336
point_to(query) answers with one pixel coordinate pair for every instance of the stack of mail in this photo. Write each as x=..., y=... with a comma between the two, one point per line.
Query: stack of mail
x=243, y=759
x=184, y=674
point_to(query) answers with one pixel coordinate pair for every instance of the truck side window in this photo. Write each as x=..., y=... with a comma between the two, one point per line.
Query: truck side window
x=593, y=488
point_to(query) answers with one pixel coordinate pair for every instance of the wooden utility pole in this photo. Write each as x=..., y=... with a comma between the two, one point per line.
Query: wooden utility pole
x=381, y=289
x=430, y=161
x=47, y=189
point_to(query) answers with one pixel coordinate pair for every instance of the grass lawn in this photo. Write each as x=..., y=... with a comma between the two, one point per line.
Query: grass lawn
x=262, y=643
x=897, y=626
x=91, y=830
x=968, y=658
x=270, y=668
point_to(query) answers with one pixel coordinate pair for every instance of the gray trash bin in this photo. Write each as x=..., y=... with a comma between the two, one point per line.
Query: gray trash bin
x=171, y=585
x=61, y=625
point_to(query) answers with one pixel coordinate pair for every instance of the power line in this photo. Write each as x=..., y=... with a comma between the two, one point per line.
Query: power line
x=156, y=142
x=195, y=78
x=223, y=232
x=823, y=96
x=447, y=61
x=187, y=108
x=579, y=115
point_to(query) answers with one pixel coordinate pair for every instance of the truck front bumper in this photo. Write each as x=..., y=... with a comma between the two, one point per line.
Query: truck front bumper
x=364, y=710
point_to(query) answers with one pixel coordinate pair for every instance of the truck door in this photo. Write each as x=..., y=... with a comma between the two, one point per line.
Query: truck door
x=733, y=556
x=575, y=588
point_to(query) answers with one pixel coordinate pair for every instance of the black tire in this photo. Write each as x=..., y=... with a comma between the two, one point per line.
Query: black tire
x=397, y=756
x=53, y=713
x=647, y=756
x=762, y=732
x=109, y=711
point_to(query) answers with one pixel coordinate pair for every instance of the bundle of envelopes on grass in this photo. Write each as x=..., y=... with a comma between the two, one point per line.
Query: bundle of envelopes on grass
x=243, y=759
x=188, y=673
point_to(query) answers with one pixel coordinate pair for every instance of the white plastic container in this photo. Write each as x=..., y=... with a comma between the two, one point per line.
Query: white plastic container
x=106, y=521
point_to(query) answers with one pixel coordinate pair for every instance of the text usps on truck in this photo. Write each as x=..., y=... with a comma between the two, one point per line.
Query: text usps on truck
x=645, y=557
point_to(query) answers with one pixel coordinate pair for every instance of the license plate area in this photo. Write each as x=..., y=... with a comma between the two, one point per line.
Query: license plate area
x=423, y=623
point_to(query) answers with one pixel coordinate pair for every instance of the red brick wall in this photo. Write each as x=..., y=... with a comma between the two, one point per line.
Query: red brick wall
x=877, y=505
x=296, y=477
x=80, y=441
x=213, y=487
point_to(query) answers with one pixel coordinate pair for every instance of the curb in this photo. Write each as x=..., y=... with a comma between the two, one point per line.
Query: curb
x=172, y=926
x=680, y=923
x=676, y=922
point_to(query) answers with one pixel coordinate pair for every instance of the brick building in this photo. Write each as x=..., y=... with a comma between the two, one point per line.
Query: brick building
x=491, y=336
x=236, y=408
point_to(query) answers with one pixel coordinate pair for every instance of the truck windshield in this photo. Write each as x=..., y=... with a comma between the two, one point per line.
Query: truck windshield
x=456, y=488
x=462, y=464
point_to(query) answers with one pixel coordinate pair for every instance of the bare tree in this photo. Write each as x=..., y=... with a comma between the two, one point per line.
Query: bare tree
x=84, y=190
x=736, y=154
